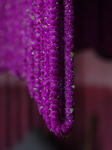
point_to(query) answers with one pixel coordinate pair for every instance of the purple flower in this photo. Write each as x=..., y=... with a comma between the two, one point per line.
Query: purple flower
x=36, y=40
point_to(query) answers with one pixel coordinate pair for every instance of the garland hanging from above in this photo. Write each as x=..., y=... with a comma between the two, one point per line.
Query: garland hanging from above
x=36, y=40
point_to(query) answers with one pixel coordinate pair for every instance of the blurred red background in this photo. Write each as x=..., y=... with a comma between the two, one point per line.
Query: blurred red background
x=93, y=103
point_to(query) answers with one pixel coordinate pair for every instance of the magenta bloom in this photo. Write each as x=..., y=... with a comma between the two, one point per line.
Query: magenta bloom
x=36, y=40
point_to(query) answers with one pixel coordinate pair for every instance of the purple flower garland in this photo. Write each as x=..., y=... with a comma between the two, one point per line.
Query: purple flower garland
x=38, y=55
x=43, y=40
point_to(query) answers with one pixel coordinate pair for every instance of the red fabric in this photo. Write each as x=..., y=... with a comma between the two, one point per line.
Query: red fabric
x=18, y=113
x=93, y=103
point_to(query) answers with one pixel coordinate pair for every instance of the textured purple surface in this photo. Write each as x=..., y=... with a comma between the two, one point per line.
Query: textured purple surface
x=36, y=40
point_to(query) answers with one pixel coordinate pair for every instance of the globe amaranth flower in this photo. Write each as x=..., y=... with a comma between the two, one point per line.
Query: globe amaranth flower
x=36, y=40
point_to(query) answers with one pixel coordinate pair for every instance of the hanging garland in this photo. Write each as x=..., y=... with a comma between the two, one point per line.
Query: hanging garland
x=41, y=53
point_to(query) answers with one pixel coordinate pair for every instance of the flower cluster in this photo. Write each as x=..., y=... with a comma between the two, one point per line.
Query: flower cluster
x=41, y=52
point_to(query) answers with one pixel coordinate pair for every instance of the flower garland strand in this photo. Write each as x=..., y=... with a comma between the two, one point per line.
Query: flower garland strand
x=46, y=111
x=30, y=50
x=69, y=75
x=37, y=56
x=54, y=64
x=38, y=42
x=61, y=128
